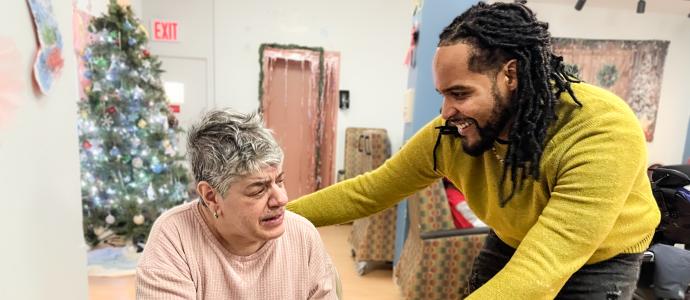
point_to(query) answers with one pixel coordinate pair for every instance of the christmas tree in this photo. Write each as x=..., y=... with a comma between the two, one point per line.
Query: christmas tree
x=130, y=169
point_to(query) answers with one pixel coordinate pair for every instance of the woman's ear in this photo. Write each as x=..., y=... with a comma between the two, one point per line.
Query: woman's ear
x=208, y=195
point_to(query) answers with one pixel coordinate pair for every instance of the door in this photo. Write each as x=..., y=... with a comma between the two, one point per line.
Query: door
x=189, y=74
x=299, y=103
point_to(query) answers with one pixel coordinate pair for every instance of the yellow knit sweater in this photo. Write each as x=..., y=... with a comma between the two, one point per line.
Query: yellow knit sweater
x=592, y=201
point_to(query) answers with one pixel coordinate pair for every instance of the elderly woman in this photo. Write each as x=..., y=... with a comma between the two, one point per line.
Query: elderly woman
x=237, y=241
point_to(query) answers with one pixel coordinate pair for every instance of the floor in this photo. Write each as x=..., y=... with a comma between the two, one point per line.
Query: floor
x=376, y=284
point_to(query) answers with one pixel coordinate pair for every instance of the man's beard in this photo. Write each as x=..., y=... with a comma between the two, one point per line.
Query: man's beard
x=500, y=116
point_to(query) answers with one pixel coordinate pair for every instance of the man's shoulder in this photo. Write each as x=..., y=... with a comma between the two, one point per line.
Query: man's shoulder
x=596, y=102
x=599, y=107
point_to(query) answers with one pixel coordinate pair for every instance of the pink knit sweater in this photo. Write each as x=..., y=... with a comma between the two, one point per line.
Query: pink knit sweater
x=183, y=260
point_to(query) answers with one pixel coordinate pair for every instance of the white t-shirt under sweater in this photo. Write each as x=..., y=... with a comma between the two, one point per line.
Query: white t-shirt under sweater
x=183, y=260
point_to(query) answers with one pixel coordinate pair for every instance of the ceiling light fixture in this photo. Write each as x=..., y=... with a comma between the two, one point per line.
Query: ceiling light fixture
x=579, y=4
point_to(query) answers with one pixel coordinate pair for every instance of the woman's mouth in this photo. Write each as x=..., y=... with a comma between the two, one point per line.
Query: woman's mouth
x=273, y=220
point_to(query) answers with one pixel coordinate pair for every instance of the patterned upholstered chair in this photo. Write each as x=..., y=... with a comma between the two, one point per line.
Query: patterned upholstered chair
x=436, y=259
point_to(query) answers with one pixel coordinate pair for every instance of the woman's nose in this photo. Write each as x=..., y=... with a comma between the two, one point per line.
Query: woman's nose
x=279, y=197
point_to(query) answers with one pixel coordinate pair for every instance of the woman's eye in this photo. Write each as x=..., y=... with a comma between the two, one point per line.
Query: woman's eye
x=258, y=193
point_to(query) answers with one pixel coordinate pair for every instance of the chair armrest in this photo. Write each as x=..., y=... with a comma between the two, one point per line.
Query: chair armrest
x=453, y=232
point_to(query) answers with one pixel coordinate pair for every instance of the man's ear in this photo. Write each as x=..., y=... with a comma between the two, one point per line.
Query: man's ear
x=208, y=195
x=511, y=74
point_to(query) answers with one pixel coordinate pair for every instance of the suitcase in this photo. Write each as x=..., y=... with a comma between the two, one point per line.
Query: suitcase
x=372, y=238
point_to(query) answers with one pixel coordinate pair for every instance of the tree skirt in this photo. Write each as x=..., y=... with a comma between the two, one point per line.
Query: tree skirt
x=112, y=261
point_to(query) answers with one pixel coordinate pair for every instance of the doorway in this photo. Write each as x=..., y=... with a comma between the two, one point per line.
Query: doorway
x=298, y=94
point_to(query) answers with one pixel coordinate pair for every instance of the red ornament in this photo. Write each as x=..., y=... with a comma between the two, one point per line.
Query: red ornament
x=86, y=145
x=111, y=110
x=147, y=53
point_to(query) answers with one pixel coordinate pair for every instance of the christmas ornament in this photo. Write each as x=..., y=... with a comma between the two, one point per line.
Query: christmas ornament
x=142, y=123
x=157, y=168
x=86, y=145
x=138, y=219
x=137, y=162
x=110, y=219
x=107, y=121
x=136, y=142
x=169, y=151
x=111, y=110
x=137, y=93
x=99, y=230
x=100, y=62
x=96, y=87
x=114, y=151
x=150, y=193
x=127, y=25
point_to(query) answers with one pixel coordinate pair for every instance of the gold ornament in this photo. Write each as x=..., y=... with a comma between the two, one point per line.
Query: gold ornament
x=138, y=219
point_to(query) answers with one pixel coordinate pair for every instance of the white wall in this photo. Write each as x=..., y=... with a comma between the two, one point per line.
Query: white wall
x=371, y=36
x=602, y=23
x=43, y=254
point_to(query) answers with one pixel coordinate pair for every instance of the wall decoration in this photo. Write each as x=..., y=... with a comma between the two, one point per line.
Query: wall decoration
x=49, y=57
x=10, y=82
x=411, y=51
x=632, y=70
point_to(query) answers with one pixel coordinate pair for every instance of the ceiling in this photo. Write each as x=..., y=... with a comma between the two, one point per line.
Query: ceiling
x=676, y=7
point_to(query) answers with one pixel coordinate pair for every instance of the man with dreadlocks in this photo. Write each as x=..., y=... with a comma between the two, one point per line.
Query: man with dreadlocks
x=555, y=167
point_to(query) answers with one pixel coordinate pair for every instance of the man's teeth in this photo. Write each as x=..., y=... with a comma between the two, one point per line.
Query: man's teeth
x=463, y=125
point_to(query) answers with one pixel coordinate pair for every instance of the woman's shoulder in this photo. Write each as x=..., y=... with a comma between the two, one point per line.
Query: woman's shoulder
x=176, y=218
x=296, y=222
x=298, y=227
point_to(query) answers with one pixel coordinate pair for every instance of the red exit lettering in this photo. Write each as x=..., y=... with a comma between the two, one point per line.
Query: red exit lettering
x=164, y=30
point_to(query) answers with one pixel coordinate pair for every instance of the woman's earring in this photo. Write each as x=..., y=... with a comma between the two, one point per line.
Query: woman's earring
x=215, y=215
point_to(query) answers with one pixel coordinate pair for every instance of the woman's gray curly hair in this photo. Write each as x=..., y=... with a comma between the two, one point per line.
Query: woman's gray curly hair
x=226, y=145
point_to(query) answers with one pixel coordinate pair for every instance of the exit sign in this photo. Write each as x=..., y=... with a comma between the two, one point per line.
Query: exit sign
x=164, y=31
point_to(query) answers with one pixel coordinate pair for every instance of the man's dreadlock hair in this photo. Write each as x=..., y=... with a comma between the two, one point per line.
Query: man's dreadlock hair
x=498, y=33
